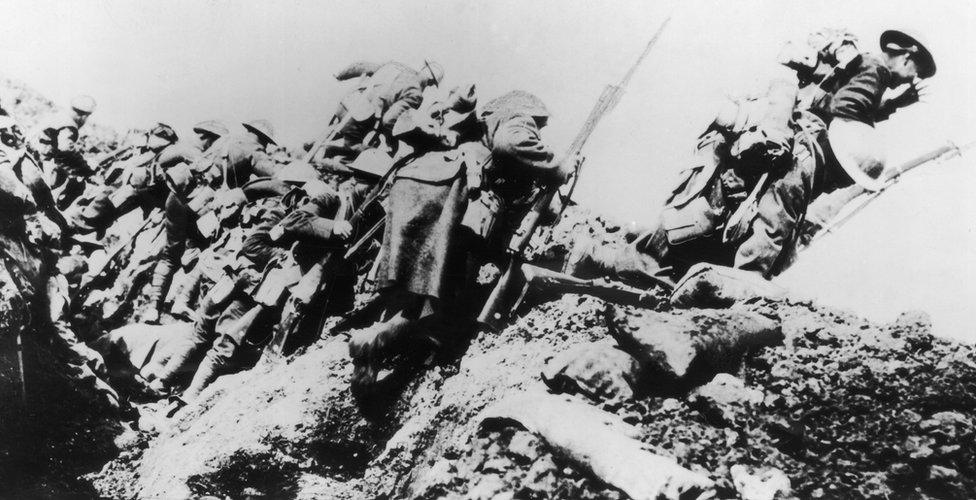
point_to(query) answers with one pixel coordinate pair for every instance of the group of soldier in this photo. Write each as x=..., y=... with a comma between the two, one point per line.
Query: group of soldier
x=412, y=190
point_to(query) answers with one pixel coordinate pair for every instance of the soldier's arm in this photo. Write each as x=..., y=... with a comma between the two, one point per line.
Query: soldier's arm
x=859, y=98
x=408, y=98
x=178, y=153
x=305, y=226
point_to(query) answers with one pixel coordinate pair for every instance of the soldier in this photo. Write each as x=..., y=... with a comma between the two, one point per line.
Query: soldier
x=247, y=154
x=13, y=150
x=384, y=93
x=849, y=112
x=431, y=227
x=60, y=131
x=762, y=162
x=55, y=144
x=134, y=182
x=232, y=311
x=189, y=175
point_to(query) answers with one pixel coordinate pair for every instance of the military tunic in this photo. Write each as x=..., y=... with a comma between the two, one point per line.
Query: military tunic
x=390, y=91
x=770, y=246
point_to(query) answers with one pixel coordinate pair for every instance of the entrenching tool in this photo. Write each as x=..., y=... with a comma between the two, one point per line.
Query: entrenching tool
x=507, y=295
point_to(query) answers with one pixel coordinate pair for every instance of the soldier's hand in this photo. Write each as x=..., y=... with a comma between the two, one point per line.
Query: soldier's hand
x=911, y=94
x=567, y=167
x=276, y=232
x=342, y=229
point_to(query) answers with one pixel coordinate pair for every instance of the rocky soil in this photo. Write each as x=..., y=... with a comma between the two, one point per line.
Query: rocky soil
x=841, y=408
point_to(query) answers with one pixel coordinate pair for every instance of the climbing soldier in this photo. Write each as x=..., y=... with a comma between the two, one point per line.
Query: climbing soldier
x=366, y=116
x=455, y=200
x=844, y=147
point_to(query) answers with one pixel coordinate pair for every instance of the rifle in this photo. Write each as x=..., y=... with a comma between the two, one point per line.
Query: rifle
x=316, y=283
x=503, y=291
x=105, y=160
x=940, y=154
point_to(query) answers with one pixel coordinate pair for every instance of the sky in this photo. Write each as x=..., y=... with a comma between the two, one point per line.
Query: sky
x=182, y=62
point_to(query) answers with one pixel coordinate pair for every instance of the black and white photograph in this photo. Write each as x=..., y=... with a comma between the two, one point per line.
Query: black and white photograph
x=487, y=249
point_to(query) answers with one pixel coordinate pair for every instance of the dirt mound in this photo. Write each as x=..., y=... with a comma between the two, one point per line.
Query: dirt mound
x=844, y=408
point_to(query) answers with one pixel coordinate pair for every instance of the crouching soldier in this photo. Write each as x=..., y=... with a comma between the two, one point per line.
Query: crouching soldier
x=189, y=219
x=136, y=182
x=848, y=112
x=318, y=230
x=57, y=150
x=366, y=116
x=497, y=161
x=763, y=161
x=229, y=314
x=749, y=143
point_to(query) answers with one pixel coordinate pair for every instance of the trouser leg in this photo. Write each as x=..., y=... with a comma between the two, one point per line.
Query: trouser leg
x=204, y=332
x=233, y=327
x=774, y=229
x=176, y=224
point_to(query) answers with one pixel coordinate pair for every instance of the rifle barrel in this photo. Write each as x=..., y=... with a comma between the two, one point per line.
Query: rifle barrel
x=611, y=95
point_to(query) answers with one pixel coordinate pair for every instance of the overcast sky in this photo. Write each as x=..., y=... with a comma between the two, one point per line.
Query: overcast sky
x=182, y=62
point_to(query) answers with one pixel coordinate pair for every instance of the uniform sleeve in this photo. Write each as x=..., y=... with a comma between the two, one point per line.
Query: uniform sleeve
x=246, y=160
x=305, y=226
x=178, y=153
x=859, y=99
x=407, y=98
x=518, y=141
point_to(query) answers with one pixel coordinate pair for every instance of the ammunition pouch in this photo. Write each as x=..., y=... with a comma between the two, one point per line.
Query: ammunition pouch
x=694, y=220
x=482, y=214
x=696, y=207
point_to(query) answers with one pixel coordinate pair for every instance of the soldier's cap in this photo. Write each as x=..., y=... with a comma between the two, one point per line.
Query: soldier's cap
x=164, y=131
x=909, y=41
x=213, y=127
x=297, y=172
x=83, y=104
x=436, y=71
x=262, y=128
x=516, y=101
x=372, y=163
